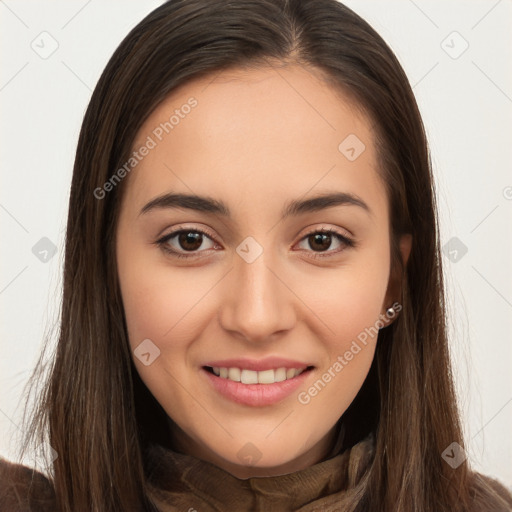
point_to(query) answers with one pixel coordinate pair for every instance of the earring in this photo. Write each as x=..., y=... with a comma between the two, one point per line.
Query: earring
x=390, y=312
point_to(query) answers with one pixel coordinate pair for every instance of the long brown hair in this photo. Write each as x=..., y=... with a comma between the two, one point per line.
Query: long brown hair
x=96, y=412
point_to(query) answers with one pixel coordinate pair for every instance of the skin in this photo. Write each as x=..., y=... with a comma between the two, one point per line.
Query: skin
x=257, y=139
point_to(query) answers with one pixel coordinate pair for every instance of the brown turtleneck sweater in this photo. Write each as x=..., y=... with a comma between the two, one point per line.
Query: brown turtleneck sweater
x=179, y=482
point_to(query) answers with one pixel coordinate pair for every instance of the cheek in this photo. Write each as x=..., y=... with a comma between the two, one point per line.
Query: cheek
x=351, y=299
x=350, y=345
x=159, y=303
x=350, y=309
x=164, y=306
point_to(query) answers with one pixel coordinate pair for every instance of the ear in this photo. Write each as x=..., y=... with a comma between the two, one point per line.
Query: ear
x=394, y=290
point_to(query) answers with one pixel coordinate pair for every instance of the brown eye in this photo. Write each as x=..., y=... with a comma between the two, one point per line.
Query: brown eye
x=321, y=240
x=181, y=241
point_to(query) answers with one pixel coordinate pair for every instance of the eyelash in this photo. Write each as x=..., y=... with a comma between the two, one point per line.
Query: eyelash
x=162, y=242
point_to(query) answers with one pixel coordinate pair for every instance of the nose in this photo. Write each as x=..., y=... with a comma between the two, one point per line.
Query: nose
x=257, y=301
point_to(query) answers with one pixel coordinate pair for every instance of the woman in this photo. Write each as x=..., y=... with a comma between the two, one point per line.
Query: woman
x=253, y=314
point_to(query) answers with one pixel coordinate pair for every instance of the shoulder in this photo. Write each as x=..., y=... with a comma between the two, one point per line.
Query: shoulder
x=488, y=494
x=23, y=489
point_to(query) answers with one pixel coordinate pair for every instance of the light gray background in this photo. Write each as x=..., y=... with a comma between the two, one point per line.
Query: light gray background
x=466, y=103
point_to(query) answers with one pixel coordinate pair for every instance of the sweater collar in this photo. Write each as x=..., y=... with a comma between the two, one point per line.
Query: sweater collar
x=181, y=480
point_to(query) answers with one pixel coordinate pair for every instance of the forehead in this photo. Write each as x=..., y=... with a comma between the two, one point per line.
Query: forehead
x=257, y=134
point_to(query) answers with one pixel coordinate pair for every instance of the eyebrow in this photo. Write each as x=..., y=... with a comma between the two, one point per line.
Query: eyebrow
x=292, y=208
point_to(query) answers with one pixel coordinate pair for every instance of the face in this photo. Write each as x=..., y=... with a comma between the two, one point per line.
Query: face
x=251, y=327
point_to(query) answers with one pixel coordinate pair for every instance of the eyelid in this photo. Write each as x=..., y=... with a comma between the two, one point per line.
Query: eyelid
x=183, y=227
x=318, y=228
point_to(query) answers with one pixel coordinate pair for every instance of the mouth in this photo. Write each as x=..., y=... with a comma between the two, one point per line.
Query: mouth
x=256, y=388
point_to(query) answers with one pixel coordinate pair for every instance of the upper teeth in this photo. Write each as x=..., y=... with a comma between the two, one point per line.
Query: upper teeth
x=252, y=377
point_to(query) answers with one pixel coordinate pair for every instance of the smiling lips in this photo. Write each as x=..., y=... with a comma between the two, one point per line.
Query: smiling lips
x=265, y=371
x=256, y=383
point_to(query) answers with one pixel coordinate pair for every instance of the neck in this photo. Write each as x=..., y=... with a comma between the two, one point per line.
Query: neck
x=327, y=447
